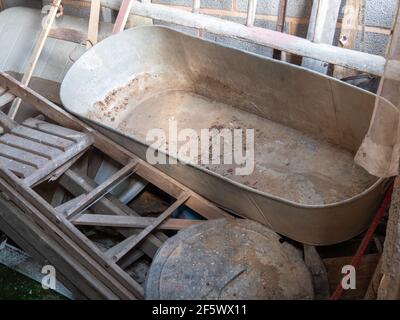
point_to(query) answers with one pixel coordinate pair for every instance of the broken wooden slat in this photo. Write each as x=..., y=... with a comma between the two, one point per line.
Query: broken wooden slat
x=102, y=189
x=131, y=222
x=6, y=123
x=121, y=249
x=40, y=150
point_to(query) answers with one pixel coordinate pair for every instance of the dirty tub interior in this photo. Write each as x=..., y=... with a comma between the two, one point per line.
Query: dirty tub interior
x=307, y=127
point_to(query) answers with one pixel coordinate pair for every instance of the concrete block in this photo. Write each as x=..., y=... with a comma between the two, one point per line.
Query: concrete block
x=238, y=44
x=296, y=8
x=188, y=30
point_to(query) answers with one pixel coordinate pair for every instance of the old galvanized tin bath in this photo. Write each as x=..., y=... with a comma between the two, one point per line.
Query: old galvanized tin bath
x=307, y=127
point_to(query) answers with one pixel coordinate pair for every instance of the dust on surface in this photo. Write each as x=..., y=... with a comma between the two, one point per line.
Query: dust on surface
x=288, y=163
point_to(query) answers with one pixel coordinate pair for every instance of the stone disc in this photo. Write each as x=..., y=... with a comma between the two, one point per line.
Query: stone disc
x=221, y=259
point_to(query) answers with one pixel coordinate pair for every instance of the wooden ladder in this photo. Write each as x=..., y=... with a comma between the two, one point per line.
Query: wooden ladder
x=62, y=219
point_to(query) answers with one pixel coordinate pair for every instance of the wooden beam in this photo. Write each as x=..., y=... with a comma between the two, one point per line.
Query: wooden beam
x=280, y=25
x=123, y=15
x=108, y=220
x=361, y=61
x=321, y=29
x=348, y=33
x=196, y=6
x=121, y=249
x=77, y=184
x=101, y=190
x=251, y=12
x=67, y=34
x=93, y=29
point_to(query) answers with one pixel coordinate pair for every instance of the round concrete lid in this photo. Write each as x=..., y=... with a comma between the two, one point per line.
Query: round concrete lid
x=220, y=259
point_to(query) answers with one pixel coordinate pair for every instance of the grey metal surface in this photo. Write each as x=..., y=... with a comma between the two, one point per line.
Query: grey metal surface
x=147, y=61
x=221, y=259
x=19, y=29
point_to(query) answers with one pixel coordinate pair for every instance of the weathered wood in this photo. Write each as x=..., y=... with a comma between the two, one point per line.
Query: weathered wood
x=280, y=25
x=37, y=50
x=251, y=12
x=63, y=208
x=121, y=249
x=61, y=229
x=348, y=33
x=42, y=137
x=22, y=156
x=318, y=272
x=67, y=34
x=122, y=17
x=153, y=175
x=31, y=146
x=19, y=169
x=72, y=240
x=349, y=58
x=6, y=98
x=77, y=184
x=93, y=29
x=101, y=190
x=24, y=231
x=131, y=222
x=363, y=275
x=196, y=6
x=372, y=290
x=321, y=29
x=36, y=144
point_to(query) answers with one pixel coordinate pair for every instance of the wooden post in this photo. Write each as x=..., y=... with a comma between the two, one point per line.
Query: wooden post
x=280, y=25
x=93, y=29
x=196, y=6
x=365, y=62
x=322, y=29
x=251, y=12
x=122, y=17
x=348, y=33
x=37, y=50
